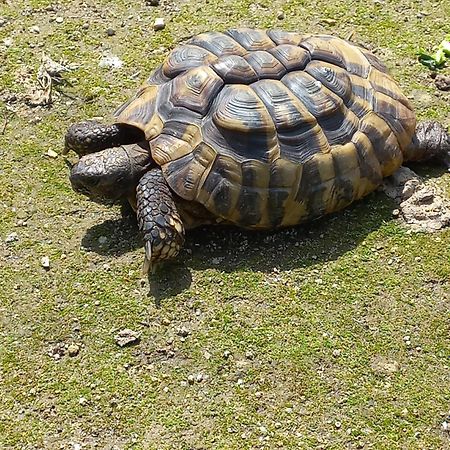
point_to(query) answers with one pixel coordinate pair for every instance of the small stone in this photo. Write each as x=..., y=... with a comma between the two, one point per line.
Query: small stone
x=191, y=379
x=280, y=15
x=73, y=349
x=7, y=42
x=199, y=378
x=442, y=82
x=127, y=337
x=396, y=213
x=51, y=154
x=166, y=389
x=82, y=401
x=34, y=29
x=110, y=62
x=85, y=26
x=159, y=24
x=97, y=303
x=249, y=354
x=59, y=19
x=445, y=426
x=110, y=32
x=226, y=354
x=336, y=353
x=183, y=332
x=337, y=424
x=240, y=382
x=329, y=21
x=207, y=355
x=45, y=262
x=12, y=238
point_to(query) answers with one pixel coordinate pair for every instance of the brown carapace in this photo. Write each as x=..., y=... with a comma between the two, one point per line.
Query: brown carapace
x=270, y=128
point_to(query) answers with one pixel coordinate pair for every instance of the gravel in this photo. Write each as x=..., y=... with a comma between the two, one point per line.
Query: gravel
x=127, y=337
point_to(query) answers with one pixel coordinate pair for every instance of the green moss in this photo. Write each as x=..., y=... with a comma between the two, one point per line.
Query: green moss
x=287, y=329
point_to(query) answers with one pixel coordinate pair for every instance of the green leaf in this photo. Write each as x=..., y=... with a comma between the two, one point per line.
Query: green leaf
x=431, y=61
x=445, y=46
x=439, y=57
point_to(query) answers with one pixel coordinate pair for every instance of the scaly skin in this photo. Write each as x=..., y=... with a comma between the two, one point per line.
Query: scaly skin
x=112, y=173
x=431, y=141
x=158, y=219
x=91, y=136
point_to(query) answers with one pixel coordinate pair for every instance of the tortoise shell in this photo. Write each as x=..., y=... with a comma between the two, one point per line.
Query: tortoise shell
x=272, y=128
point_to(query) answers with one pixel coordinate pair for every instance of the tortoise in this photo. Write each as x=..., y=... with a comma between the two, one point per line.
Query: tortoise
x=259, y=129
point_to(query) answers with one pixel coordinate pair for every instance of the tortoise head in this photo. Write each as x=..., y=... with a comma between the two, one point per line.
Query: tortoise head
x=111, y=174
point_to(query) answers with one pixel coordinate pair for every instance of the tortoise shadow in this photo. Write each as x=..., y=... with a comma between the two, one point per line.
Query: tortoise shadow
x=232, y=249
x=114, y=237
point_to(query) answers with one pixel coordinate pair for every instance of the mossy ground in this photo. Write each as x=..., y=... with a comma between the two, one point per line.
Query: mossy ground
x=332, y=335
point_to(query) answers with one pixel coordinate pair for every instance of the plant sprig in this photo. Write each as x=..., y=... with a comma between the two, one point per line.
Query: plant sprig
x=439, y=58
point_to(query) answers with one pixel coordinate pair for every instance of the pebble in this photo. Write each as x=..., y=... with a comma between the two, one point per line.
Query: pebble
x=191, y=379
x=199, y=378
x=45, y=262
x=249, y=354
x=159, y=24
x=280, y=15
x=7, y=42
x=336, y=353
x=110, y=32
x=12, y=237
x=34, y=29
x=110, y=62
x=82, y=401
x=226, y=354
x=183, y=332
x=442, y=82
x=59, y=20
x=73, y=350
x=51, y=154
x=127, y=337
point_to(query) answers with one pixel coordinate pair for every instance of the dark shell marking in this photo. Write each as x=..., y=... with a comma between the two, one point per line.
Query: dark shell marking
x=269, y=129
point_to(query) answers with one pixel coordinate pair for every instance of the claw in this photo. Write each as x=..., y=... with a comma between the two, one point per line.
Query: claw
x=147, y=267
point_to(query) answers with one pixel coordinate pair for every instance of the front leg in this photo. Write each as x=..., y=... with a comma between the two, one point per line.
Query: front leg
x=158, y=219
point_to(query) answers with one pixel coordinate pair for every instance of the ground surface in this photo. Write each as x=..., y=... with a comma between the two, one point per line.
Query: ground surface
x=328, y=336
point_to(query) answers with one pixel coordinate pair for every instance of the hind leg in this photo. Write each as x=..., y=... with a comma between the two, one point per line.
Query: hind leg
x=431, y=141
x=91, y=136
